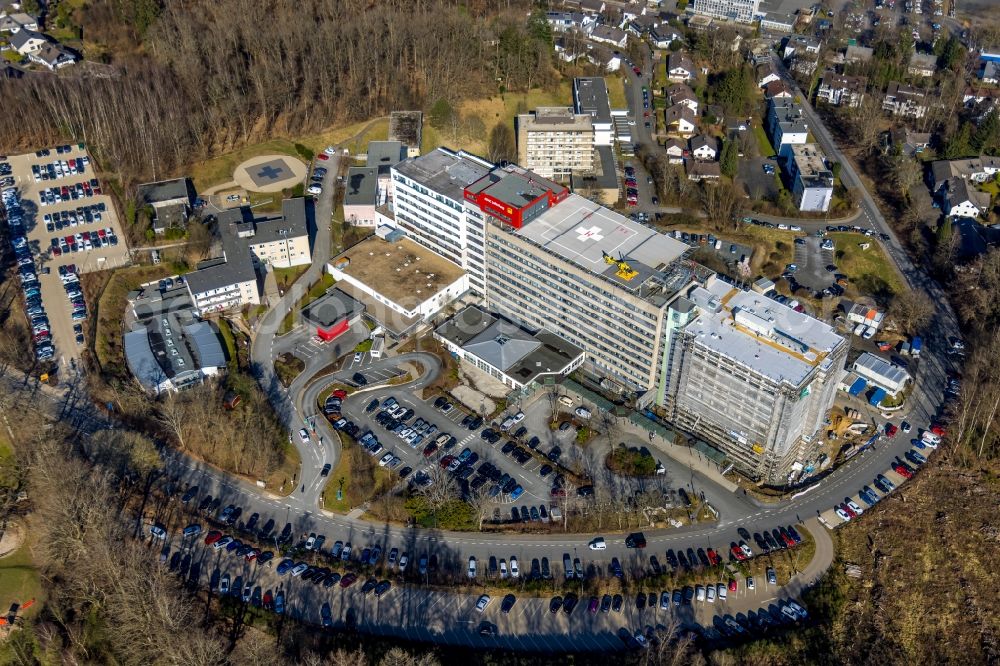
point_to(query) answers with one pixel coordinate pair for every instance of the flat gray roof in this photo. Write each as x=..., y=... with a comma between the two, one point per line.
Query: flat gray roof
x=330, y=308
x=383, y=155
x=446, y=172
x=516, y=351
x=361, y=187
x=605, y=177
x=581, y=232
x=590, y=95
x=166, y=190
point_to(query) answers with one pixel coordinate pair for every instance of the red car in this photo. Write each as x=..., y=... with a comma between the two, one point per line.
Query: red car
x=902, y=470
x=340, y=393
x=430, y=449
x=212, y=537
x=732, y=585
x=848, y=510
x=938, y=430
x=713, y=557
x=638, y=72
x=324, y=157
x=890, y=430
x=348, y=579
x=737, y=553
x=444, y=462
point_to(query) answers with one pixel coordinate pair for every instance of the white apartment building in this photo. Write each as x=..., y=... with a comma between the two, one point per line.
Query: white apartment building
x=741, y=11
x=786, y=125
x=429, y=204
x=555, y=143
x=812, y=179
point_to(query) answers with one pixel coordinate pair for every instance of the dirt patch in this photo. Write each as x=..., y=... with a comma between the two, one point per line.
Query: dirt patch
x=12, y=538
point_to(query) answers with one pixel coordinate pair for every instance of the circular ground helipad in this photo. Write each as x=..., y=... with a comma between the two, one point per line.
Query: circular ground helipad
x=270, y=173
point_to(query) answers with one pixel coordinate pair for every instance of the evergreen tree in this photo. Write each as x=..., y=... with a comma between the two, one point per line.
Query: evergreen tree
x=987, y=135
x=960, y=144
x=729, y=162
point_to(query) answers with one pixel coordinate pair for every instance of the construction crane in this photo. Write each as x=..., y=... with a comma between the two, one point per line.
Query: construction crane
x=625, y=272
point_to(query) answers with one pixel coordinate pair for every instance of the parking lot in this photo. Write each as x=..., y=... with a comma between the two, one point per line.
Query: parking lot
x=544, y=623
x=70, y=197
x=498, y=453
x=758, y=184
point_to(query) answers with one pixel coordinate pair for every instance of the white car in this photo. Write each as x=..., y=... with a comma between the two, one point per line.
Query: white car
x=304, y=435
x=299, y=570
x=483, y=602
x=315, y=189
x=330, y=150
x=386, y=459
x=403, y=561
x=699, y=593
x=746, y=549
x=722, y=592
x=472, y=567
x=598, y=544
x=514, y=572
x=518, y=417
x=854, y=507
x=582, y=412
x=358, y=356
x=750, y=584
x=503, y=569
x=311, y=541
x=158, y=532
x=710, y=594
x=222, y=543
x=843, y=515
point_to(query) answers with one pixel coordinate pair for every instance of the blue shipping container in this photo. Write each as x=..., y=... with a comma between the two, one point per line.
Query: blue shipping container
x=877, y=397
x=915, y=346
x=858, y=386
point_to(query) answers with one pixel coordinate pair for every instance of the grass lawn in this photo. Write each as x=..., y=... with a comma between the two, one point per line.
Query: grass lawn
x=991, y=187
x=220, y=169
x=108, y=338
x=229, y=340
x=315, y=291
x=763, y=143
x=19, y=580
x=500, y=108
x=616, y=92
x=362, y=479
x=869, y=270
x=286, y=277
x=8, y=471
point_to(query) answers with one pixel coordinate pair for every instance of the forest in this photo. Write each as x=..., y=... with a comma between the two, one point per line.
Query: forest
x=191, y=79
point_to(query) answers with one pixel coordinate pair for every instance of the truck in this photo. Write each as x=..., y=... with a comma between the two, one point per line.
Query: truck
x=915, y=346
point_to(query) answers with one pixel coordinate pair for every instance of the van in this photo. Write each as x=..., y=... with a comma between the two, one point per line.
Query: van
x=565, y=401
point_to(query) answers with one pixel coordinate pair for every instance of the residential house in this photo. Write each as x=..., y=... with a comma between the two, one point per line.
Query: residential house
x=975, y=96
x=676, y=150
x=989, y=72
x=855, y=53
x=777, y=90
x=786, y=124
x=587, y=6
x=641, y=25
x=680, y=119
x=20, y=21
x=698, y=171
x=606, y=34
x=26, y=42
x=922, y=64
x=680, y=67
x=604, y=58
x=681, y=93
x=759, y=52
x=704, y=147
x=840, y=90
x=765, y=73
x=977, y=169
x=568, y=21
x=570, y=50
x=662, y=36
x=798, y=44
x=53, y=56
x=906, y=101
x=963, y=200
x=171, y=201
x=910, y=143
